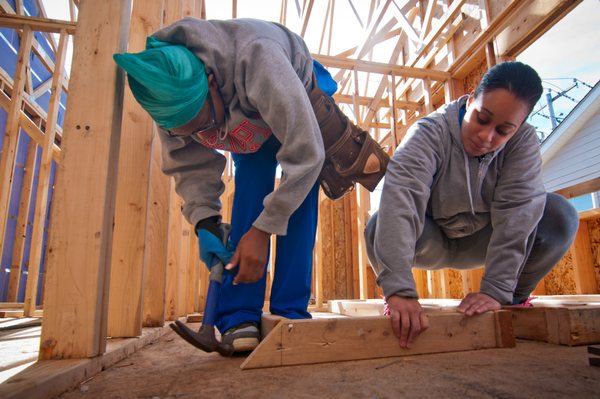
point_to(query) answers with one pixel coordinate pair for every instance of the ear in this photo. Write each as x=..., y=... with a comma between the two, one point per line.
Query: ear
x=470, y=99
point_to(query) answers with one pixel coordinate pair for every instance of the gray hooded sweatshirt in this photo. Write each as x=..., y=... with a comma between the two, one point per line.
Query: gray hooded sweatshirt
x=431, y=174
x=264, y=72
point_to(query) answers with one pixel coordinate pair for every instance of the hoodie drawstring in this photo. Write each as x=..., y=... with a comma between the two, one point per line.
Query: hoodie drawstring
x=468, y=176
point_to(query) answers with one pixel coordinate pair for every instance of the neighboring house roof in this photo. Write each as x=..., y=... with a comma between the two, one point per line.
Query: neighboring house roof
x=571, y=153
x=583, y=111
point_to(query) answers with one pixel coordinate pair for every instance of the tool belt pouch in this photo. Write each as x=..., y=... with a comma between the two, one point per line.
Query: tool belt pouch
x=351, y=154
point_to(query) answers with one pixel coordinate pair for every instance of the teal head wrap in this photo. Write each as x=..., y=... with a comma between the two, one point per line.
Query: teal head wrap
x=168, y=81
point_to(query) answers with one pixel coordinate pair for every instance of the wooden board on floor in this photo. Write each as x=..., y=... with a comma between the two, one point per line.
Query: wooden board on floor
x=562, y=324
x=49, y=378
x=374, y=307
x=321, y=340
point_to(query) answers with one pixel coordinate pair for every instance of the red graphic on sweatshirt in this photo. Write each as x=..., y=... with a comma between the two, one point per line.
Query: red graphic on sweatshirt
x=244, y=138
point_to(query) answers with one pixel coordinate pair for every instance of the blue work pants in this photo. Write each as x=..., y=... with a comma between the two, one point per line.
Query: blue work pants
x=291, y=288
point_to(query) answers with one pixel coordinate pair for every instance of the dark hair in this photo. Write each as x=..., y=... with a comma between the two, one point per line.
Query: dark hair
x=518, y=78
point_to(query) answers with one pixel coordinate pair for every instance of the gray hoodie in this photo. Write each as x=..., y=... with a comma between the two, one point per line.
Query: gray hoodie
x=431, y=174
x=264, y=72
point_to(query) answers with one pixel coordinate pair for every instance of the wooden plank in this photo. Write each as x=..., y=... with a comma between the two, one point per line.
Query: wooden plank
x=78, y=262
x=590, y=214
x=18, y=313
x=127, y=263
x=306, y=12
x=420, y=276
x=427, y=19
x=11, y=305
x=294, y=342
x=459, y=68
x=37, y=23
x=11, y=133
x=574, y=325
x=155, y=256
x=183, y=276
x=531, y=22
x=472, y=280
x=49, y=378
x=363, y=206
x=27, y=124
x=381, y=68
x=583, y=261
x=172, y=312
x=43, y=185
x=18, y=251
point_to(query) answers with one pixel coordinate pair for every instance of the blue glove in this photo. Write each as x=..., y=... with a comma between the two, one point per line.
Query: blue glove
x=211, y=247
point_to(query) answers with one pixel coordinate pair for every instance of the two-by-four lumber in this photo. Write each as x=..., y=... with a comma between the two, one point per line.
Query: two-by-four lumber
x=79, y=247
x=127, y=265
x=25, y=201
x=293, y=342
x=37, y=23
x=43, y=185
x=564, y=325
x=26, y=123
x=11, y=133
x=583, y=261
x=155, y=255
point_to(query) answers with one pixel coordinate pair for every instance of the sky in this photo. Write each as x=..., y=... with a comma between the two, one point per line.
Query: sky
x=570, y=49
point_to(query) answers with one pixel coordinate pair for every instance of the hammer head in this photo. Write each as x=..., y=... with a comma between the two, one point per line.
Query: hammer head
x=204, y=339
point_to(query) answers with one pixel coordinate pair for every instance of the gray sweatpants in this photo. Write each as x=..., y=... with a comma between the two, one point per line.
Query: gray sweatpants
x=545, y=246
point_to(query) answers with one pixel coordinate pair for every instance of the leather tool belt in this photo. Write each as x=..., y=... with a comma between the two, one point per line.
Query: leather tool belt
x=351, y=154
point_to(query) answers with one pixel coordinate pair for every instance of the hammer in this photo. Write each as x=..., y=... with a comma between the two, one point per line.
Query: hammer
x=205, y=338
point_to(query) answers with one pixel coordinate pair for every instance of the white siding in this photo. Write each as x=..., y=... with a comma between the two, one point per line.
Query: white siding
x=577, y=161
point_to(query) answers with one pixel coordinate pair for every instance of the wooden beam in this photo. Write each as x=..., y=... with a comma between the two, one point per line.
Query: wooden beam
x=38, y=24
x=11, y=133
x=583, y=261
x=155, y=255
x=51, y=378
x=43, y=185
x=42, y=88
x=381, y=68
x=125, y=314
x=172, y=311
x=29, y=106
x=427, y=19
x=589, y=214
x=529, y=23
x=497, y=25
x=362, y=217
x=586, y=187
x=78, y=262
x=307, y=341
x=18, y=250
x=306, y=11
x=565, y=325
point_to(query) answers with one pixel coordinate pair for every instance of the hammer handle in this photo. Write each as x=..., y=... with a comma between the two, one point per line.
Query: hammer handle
x=214, y=287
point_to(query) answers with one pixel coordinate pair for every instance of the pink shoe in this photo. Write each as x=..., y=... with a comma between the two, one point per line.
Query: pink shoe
x=386, y=307
x=526, y=303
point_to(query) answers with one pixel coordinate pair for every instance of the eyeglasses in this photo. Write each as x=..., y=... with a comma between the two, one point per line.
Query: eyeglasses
x=209, y=126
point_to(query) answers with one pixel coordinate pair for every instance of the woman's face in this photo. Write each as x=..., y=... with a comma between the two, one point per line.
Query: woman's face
x=210, y=116
x=491, y=119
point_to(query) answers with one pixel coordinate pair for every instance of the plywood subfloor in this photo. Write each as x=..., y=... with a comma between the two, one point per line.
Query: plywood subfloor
x=171, y=368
